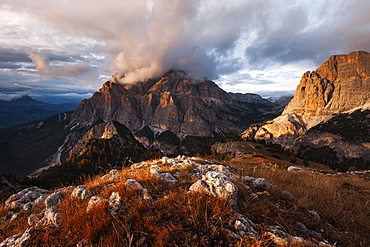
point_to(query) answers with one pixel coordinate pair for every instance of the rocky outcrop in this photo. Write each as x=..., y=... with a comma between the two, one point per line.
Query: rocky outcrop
x=218, y=185
x=111, y=130
x=340, y=84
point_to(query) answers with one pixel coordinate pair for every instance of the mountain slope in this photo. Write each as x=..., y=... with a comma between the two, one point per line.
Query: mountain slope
x=340, y=84
x=25, y=147
x=26, y=109
x=191, y=201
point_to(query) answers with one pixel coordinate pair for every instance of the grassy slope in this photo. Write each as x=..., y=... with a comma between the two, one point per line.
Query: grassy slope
x=175, y=217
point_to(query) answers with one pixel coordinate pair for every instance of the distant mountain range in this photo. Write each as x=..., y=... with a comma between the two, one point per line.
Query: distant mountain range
x=162, y=113
x=178, y=114
x=26, y=109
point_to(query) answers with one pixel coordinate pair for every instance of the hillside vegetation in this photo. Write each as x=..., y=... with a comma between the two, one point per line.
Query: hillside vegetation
x=246, y=201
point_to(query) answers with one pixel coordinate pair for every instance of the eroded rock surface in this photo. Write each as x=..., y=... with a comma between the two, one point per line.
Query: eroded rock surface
x=340, y=84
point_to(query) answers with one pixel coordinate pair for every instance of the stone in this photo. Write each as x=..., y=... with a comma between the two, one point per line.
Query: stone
x=280, y=237
x=113, y=175
x=13, y=217
x=29, y=206
x=244, y=225
x=164, y=176
x=133, y=184
x=154, y=170
x=33, y=219
x=218, y=185
x=53, y=199
x=146, y=195
x=315, y=214
x=81, y=193
x=51, y=216
x=18, y=240
x=25, y=196
x=295, y=169
x=260, y=183
x=114, y=202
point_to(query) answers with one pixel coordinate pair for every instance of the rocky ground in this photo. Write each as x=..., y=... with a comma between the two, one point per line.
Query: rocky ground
x=179, y=201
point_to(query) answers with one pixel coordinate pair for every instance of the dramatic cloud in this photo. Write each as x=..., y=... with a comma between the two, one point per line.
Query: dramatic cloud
x=270, y=42
x=43, y=67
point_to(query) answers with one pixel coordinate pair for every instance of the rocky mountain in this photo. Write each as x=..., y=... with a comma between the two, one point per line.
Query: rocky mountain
x=340, y=84
x=161, y=113
x=26, y=109
x=174, y=102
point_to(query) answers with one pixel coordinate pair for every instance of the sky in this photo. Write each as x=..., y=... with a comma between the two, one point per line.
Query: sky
x=63, y=50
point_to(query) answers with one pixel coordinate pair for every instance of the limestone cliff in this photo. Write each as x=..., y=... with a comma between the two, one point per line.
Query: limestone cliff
x=174, y=102
x=338, y=85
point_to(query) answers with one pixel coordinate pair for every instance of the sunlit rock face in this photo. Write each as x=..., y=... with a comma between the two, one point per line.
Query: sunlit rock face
x=338, y=85
x=176, y=102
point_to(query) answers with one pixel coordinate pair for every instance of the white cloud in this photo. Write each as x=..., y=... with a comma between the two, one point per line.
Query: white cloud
x=218, y=39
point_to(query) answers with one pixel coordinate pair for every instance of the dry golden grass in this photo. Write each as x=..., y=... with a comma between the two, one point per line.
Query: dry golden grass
x=174, y=217
x=343, y=202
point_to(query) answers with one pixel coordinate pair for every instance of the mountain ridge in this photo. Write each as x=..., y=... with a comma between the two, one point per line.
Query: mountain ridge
x=160, y=112
x=340, y=85
x=172, y=102
x=25, y=109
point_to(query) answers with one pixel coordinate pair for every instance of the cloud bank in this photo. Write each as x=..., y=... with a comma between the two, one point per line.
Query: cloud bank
x=219, y=39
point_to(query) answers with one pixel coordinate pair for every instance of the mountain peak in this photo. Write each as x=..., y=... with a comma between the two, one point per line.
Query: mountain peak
x=338, y=85
x=180, y=103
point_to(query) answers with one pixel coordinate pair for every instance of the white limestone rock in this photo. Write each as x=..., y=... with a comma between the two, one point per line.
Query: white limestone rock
x=260, y=183
x=295, y=169
x=18, y=240
x=218, y=185
x=81, y=193
x=133, y=184
x=146, y=195
x=54, y=199
x=115, y=203
x=315, y=214
x=25, y=196
x=51, y=216
x=168, y=178
x=28, y=206
x=164, y=176
x=244, y=225
x=113, y=175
